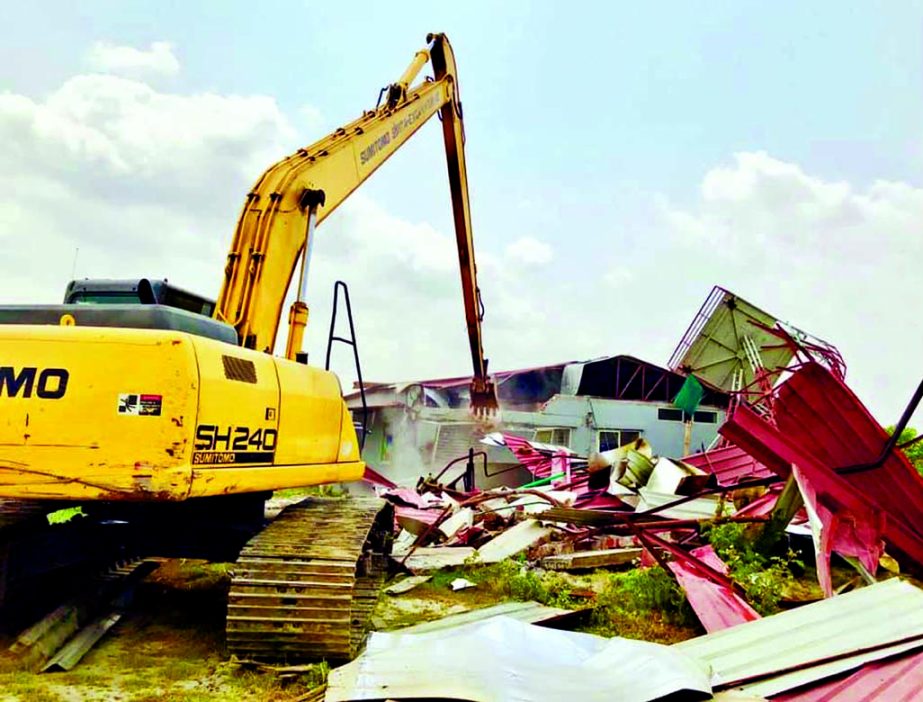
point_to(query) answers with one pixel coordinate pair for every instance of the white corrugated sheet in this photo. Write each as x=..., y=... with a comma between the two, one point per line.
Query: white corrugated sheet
x=504, y=660
x=797, y=647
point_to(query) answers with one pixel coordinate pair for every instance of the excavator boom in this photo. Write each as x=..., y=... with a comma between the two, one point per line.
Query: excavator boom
x=276, y=227
x=130, y=391
x=158, y=411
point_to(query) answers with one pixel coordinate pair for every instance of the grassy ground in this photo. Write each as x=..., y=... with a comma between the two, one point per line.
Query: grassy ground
x=170, y=646
x=635, y=603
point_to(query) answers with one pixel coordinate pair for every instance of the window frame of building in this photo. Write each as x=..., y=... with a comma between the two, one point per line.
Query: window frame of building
x=674, y=414
x=670, y=414
x=705, y=417
x=553, y=436
x=622, y=437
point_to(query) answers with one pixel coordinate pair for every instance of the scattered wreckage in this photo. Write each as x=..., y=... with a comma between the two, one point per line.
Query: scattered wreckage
x=799, y=454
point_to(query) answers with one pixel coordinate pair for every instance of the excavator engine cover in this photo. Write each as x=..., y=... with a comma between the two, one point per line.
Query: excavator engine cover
x=150, y=414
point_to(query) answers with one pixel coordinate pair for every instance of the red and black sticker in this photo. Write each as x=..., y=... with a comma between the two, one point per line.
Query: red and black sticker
x=140, y=405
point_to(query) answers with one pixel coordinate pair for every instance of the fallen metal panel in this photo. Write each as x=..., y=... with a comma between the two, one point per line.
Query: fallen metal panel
x=79, y=645
x=800, y=678
x=729, y=464
x=819, y=412
x=896, y=680
x=836, y=629
x=407, y=584
x=525, y=612
x=502, y=659
x=722, y=340
x=717, y=606
x=822, y=426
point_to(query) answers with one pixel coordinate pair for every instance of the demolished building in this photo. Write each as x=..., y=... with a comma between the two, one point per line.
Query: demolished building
x=418, y=427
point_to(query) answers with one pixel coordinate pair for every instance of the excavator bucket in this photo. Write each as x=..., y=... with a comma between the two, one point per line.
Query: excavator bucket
x=484, y=401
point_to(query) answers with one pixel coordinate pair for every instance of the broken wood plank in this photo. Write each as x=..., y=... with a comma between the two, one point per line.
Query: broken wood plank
x=581, y=560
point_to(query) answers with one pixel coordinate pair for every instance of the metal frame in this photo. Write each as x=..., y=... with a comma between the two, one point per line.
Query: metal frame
x=331, y=337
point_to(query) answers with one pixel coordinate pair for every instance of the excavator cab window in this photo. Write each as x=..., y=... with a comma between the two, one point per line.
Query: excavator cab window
x=136, y=292
x=104, y=298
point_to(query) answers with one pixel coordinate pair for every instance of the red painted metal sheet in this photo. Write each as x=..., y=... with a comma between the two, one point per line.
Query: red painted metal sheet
x=717, y=606
x=375, y=478
x=821, y=426
x=764, y=505
x=729, y=464
x=895, y=680
x=540, y=462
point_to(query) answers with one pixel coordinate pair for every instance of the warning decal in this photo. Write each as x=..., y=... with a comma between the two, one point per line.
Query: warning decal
x=140, y=405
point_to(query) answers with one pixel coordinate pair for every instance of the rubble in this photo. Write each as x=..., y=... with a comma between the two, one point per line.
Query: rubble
x=585, y=560
x=799, y=457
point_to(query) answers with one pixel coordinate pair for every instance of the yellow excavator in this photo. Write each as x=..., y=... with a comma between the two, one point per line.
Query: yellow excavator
x=143, y=402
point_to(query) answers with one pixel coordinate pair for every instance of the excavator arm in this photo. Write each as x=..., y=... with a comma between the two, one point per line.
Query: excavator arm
x=276, y=227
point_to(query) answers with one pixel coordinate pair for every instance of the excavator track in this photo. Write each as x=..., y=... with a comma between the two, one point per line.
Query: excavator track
x=304, y=587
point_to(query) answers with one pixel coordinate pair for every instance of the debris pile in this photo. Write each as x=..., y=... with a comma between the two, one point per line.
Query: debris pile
x=799, y=458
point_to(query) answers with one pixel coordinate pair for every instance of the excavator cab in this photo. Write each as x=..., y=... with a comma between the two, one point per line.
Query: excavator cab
x=141, y=292
x=126, y=304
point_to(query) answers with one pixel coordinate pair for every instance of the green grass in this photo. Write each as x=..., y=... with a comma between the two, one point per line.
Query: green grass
x=765, y=571
x=643, y=603
x=328, y=490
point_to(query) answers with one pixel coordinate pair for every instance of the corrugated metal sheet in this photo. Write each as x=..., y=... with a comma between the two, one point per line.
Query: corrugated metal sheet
x=714, y=346
x=500, y=660
x=454, y=440
x=729, y=464
x=716, y=605
x=895, y=680
x=821, y=426
x=826, y=638
x=525, y=612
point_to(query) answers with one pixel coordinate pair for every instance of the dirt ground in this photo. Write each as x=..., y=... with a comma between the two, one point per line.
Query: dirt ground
x=170, y=646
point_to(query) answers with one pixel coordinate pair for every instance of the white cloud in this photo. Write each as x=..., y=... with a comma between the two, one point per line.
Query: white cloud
x=530, y=251
x=149, y=183
x=143, y=182
x=407, y=300
x=618, y=276
x=158, y=59
x=838, y=261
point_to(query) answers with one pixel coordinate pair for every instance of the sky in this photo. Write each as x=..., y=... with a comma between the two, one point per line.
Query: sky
x=623, y=158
